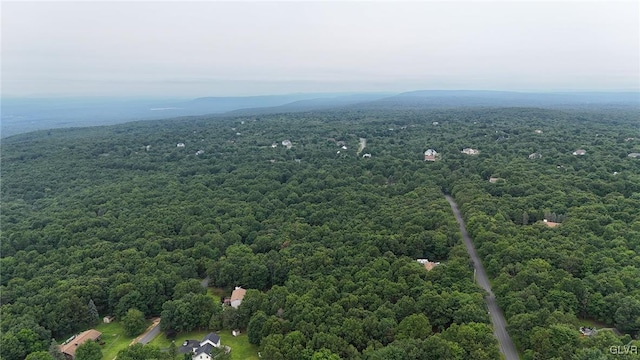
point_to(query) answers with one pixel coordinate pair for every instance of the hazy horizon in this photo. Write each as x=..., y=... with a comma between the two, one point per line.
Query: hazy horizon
x=197, y=49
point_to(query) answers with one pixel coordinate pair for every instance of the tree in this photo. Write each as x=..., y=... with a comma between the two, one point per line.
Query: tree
x=230, y=318
x=172, y=351
x=254, y=330
x=140, y=352
x=90, y=350
x=414, y=326
x=215, y=323
x=324, y=354
x=627, y=316
x=39, y=355
x=93, y=313
x=134, y=322
x=191, y=286
x=55, y=352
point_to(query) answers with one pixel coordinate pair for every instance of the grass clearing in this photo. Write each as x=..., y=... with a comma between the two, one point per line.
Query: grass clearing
x=217, y=293
x=115, y=339
x=240, y=346
x=241, y=349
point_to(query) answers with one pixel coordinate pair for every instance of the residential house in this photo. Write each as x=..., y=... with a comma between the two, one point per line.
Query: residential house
x=430, y=155
x=201, y=350
x=69, y=347
x=237, y=296
x=586, y=331
x=634, y=155
x=367, y=155
x=180, y=145
x=535, y=156
x=287, y=144
x=550, y=224
x=580, y=152
x=428, y=264
x=494, y=180
x=470, y=151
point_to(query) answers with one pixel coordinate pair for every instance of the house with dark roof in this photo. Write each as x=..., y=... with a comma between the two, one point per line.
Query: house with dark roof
x=201, y=350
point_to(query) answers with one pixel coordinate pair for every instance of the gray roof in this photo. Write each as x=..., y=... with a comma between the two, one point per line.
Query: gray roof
x=213, y=337
x=206, y=349
x=191, y=344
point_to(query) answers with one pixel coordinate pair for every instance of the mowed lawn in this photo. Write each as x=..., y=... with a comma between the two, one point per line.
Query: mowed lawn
x=241, y=349
x=115, y=339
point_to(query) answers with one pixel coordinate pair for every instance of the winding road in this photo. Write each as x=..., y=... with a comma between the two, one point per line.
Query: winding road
x=497, y=318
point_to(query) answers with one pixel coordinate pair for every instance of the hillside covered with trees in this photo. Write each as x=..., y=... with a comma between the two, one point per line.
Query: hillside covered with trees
x=325, y=234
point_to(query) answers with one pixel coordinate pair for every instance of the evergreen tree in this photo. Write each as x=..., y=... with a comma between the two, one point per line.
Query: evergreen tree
x=93, y=313
x=172, y=351
x=55, y=352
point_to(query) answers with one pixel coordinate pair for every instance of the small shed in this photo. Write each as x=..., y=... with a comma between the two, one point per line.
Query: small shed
x=235, y=332
x=108, y=319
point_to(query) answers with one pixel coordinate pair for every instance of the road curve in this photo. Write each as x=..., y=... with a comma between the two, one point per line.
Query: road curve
x=497, y=318
x=152, y=331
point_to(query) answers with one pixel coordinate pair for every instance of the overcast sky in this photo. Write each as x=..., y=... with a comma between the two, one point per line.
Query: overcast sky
x=251, y=48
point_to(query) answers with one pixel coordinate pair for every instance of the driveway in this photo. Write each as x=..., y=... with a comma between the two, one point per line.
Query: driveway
x=149, y=334
x=497, y=318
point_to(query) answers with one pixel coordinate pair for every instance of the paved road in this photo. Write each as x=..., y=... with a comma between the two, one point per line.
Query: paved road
x=499, y=324
x=150, y=334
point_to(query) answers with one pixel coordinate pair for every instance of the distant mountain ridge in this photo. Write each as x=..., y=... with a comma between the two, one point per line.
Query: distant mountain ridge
x=510, y=99
x=25, y=115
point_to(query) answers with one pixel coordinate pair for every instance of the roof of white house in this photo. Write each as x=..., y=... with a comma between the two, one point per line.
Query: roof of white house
x=238, y=293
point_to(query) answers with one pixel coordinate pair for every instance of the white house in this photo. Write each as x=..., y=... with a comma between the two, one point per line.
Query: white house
x=201, y=350
x=430, y=155
x=199, y=152
x=428, y=264
x=470, y=151
x=180, y=145
x=580, y=152
x=367, y=155
x=236, y=296
x=287, y=143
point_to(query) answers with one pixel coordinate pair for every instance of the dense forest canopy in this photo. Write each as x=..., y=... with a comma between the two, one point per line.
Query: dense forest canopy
x=325, y=239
